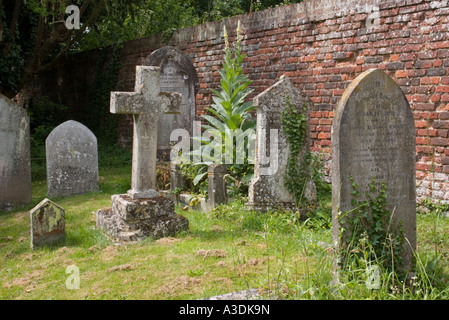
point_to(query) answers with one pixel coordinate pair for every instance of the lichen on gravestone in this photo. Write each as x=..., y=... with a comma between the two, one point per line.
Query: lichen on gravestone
x=47, y=224
x=72, y=160
x=15, y=169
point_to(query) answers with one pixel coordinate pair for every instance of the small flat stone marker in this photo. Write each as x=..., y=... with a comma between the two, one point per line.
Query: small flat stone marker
x=47, y=224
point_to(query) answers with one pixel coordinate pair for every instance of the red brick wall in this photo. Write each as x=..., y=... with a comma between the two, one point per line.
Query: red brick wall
x=324, y=44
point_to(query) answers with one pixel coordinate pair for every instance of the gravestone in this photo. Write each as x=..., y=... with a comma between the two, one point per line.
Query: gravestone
x=142, y=212
x=217, y=193
x=373, y=136
x=177, y=75
x=267, y=190
x=72, y=160
x=47, y=224
x=15, y=171
x=176, y=177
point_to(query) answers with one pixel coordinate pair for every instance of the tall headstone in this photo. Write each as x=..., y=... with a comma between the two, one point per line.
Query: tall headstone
x=47, y=224
x=373, y=136
x=267, y=190
x=72, y=160
x=15, y=171
x=177, y=75
x=142, y=212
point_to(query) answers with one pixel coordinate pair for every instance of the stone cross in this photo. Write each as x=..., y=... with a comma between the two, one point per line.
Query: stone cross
x=146, y=104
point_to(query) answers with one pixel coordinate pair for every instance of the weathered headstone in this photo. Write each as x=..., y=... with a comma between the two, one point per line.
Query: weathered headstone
x=177, y=75
x=267, y=190
x=373, y=136
x=15, y=171
x=217, y=193
x=142, y=212
x=47, y=224
x=72, y=160
x=176, y=177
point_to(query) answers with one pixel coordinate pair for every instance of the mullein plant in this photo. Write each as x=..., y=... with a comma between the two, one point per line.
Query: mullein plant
x=229, y=122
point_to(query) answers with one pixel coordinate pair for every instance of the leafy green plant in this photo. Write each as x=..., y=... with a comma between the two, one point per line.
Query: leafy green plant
x=371, y=222
x=294, y=124
x=195, y=273
x=434, y=207
x=321, y=218
x=194, y=177
x=229, y=121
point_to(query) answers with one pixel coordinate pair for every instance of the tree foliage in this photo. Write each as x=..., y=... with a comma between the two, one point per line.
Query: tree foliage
x=33, y=33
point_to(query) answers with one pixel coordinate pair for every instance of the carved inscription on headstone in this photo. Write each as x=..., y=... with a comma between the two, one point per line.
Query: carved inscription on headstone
x=177, y=75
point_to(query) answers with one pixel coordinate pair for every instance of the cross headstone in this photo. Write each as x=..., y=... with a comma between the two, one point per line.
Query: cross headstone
x=15, y=171
x=72, y=160
x=373, y=136
x=177, y=75
x=142, y=212
x=146, y=105
x=267, y=190
x=47, y=224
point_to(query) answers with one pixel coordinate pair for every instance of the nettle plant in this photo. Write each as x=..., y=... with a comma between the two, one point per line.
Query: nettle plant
x=368, y=231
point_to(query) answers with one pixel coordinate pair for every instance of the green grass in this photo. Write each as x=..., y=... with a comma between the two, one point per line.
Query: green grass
x=226, y=250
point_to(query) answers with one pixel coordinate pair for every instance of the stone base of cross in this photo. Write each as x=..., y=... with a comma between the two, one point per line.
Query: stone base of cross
x=146, y=104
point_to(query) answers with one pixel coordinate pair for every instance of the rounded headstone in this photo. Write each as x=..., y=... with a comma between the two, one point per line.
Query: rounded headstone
x=72, y=160
x=373, y=136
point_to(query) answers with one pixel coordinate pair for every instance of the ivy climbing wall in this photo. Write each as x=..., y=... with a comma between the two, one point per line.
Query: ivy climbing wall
x=321, y=45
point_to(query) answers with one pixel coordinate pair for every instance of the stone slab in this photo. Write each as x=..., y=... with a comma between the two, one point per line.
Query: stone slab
x=177, y=75
x=72, y=160
x=373, y=136
x=15, y=169
x=217, y=193
x=250, y=294
x=47, y=224
x=135, y=219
